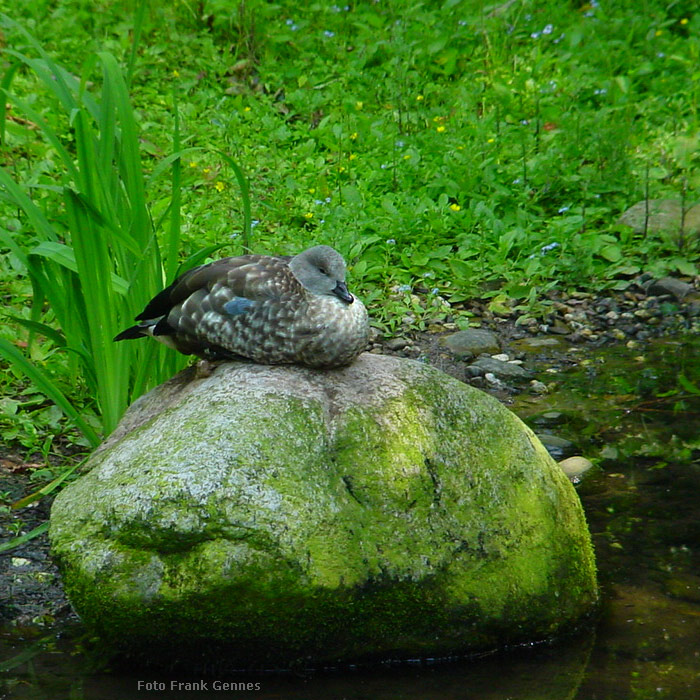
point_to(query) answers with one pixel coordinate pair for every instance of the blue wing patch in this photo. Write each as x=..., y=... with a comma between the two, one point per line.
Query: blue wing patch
x=238, y=306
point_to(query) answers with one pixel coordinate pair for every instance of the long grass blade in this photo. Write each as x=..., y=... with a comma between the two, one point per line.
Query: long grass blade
x=23, y=539
x=46, y=385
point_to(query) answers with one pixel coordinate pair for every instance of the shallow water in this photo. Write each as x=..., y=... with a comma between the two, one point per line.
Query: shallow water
x=641, y=500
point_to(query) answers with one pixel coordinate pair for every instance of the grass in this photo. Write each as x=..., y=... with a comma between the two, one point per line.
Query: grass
x=450, y=150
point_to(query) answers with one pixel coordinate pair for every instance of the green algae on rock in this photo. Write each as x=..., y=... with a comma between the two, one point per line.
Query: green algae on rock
x=267, y=516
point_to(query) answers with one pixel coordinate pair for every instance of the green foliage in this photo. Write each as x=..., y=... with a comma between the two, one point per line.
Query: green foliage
x=463, y=148
x=91, y=249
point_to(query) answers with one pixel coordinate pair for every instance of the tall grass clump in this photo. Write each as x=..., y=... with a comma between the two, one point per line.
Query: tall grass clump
x=91, y=249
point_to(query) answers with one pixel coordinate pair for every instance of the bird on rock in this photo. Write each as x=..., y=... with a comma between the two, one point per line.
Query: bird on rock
x=268, y=309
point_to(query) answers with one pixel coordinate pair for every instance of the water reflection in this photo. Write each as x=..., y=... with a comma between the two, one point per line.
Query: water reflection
x=641, y=425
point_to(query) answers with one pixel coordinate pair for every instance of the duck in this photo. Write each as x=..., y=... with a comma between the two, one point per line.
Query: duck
x=267, y=309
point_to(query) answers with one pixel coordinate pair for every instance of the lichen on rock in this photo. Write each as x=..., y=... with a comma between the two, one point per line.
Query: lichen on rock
x=281, y=515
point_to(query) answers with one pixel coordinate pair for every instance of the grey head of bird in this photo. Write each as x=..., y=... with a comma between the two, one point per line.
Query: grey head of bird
x=321, y=270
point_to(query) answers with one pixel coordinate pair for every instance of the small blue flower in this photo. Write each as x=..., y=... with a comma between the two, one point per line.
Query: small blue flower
x=434, y=291
x=563, y=209
x=535, y=35
x=317, y=202
x=462, y=23
x=516, y=181
x=661, y=54
x=600, y=91
x=428, y=275
x=254, y=223
x=405, y=288
x=548, y=247
x=329, y=33
x=328, y=199
x=524, y=122
x=391, y=241
x=548, y=29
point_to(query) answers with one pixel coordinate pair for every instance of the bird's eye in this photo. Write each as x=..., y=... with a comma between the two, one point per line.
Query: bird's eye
x=323, y=270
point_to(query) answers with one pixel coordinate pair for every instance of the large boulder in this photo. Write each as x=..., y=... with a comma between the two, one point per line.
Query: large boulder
x=282, y=515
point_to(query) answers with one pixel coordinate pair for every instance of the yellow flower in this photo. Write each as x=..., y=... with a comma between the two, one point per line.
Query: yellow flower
x=684, y=20
x=490, y=140
x=193, y=164
x=455, y=207
x=309, y=215
x=353, y=136
x=440, y=129
x=206, y=171
x=439, y=119
x=407, y=156
x=219, y=186
x=658, y=32
x=312, y=190
x=419, y=98
x=359, y=104
x=176, y=74
x=246, y=109
x=460, y=148
x=341, y=168
x=352, y=156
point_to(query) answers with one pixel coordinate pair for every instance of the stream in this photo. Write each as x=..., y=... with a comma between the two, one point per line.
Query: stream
x=635, y=413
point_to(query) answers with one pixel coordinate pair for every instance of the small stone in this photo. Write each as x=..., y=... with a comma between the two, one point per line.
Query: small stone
x=502, y=357
x=575, y=467
x=538, y=387
x=537, y=343
x=560, y=328
x=669, y=285
x=558, y=447
x=503, y=370
x=472, y=341
x=396, y=344
x=661, y=216
x=618, y=334
x=20, y=561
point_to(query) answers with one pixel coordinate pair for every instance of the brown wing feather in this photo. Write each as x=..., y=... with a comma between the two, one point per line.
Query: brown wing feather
x=253, y=277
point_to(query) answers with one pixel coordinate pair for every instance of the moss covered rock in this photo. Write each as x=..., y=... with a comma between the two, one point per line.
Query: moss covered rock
x=280, y=515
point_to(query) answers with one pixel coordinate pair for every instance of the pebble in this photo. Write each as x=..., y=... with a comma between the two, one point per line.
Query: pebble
x=558, y=447
x=503, y=370
x=670, y=285
x=472, y=341
x=396, y=344
x=575, y=467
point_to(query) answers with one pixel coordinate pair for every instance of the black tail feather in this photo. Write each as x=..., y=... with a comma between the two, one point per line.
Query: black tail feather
x=131, y=333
